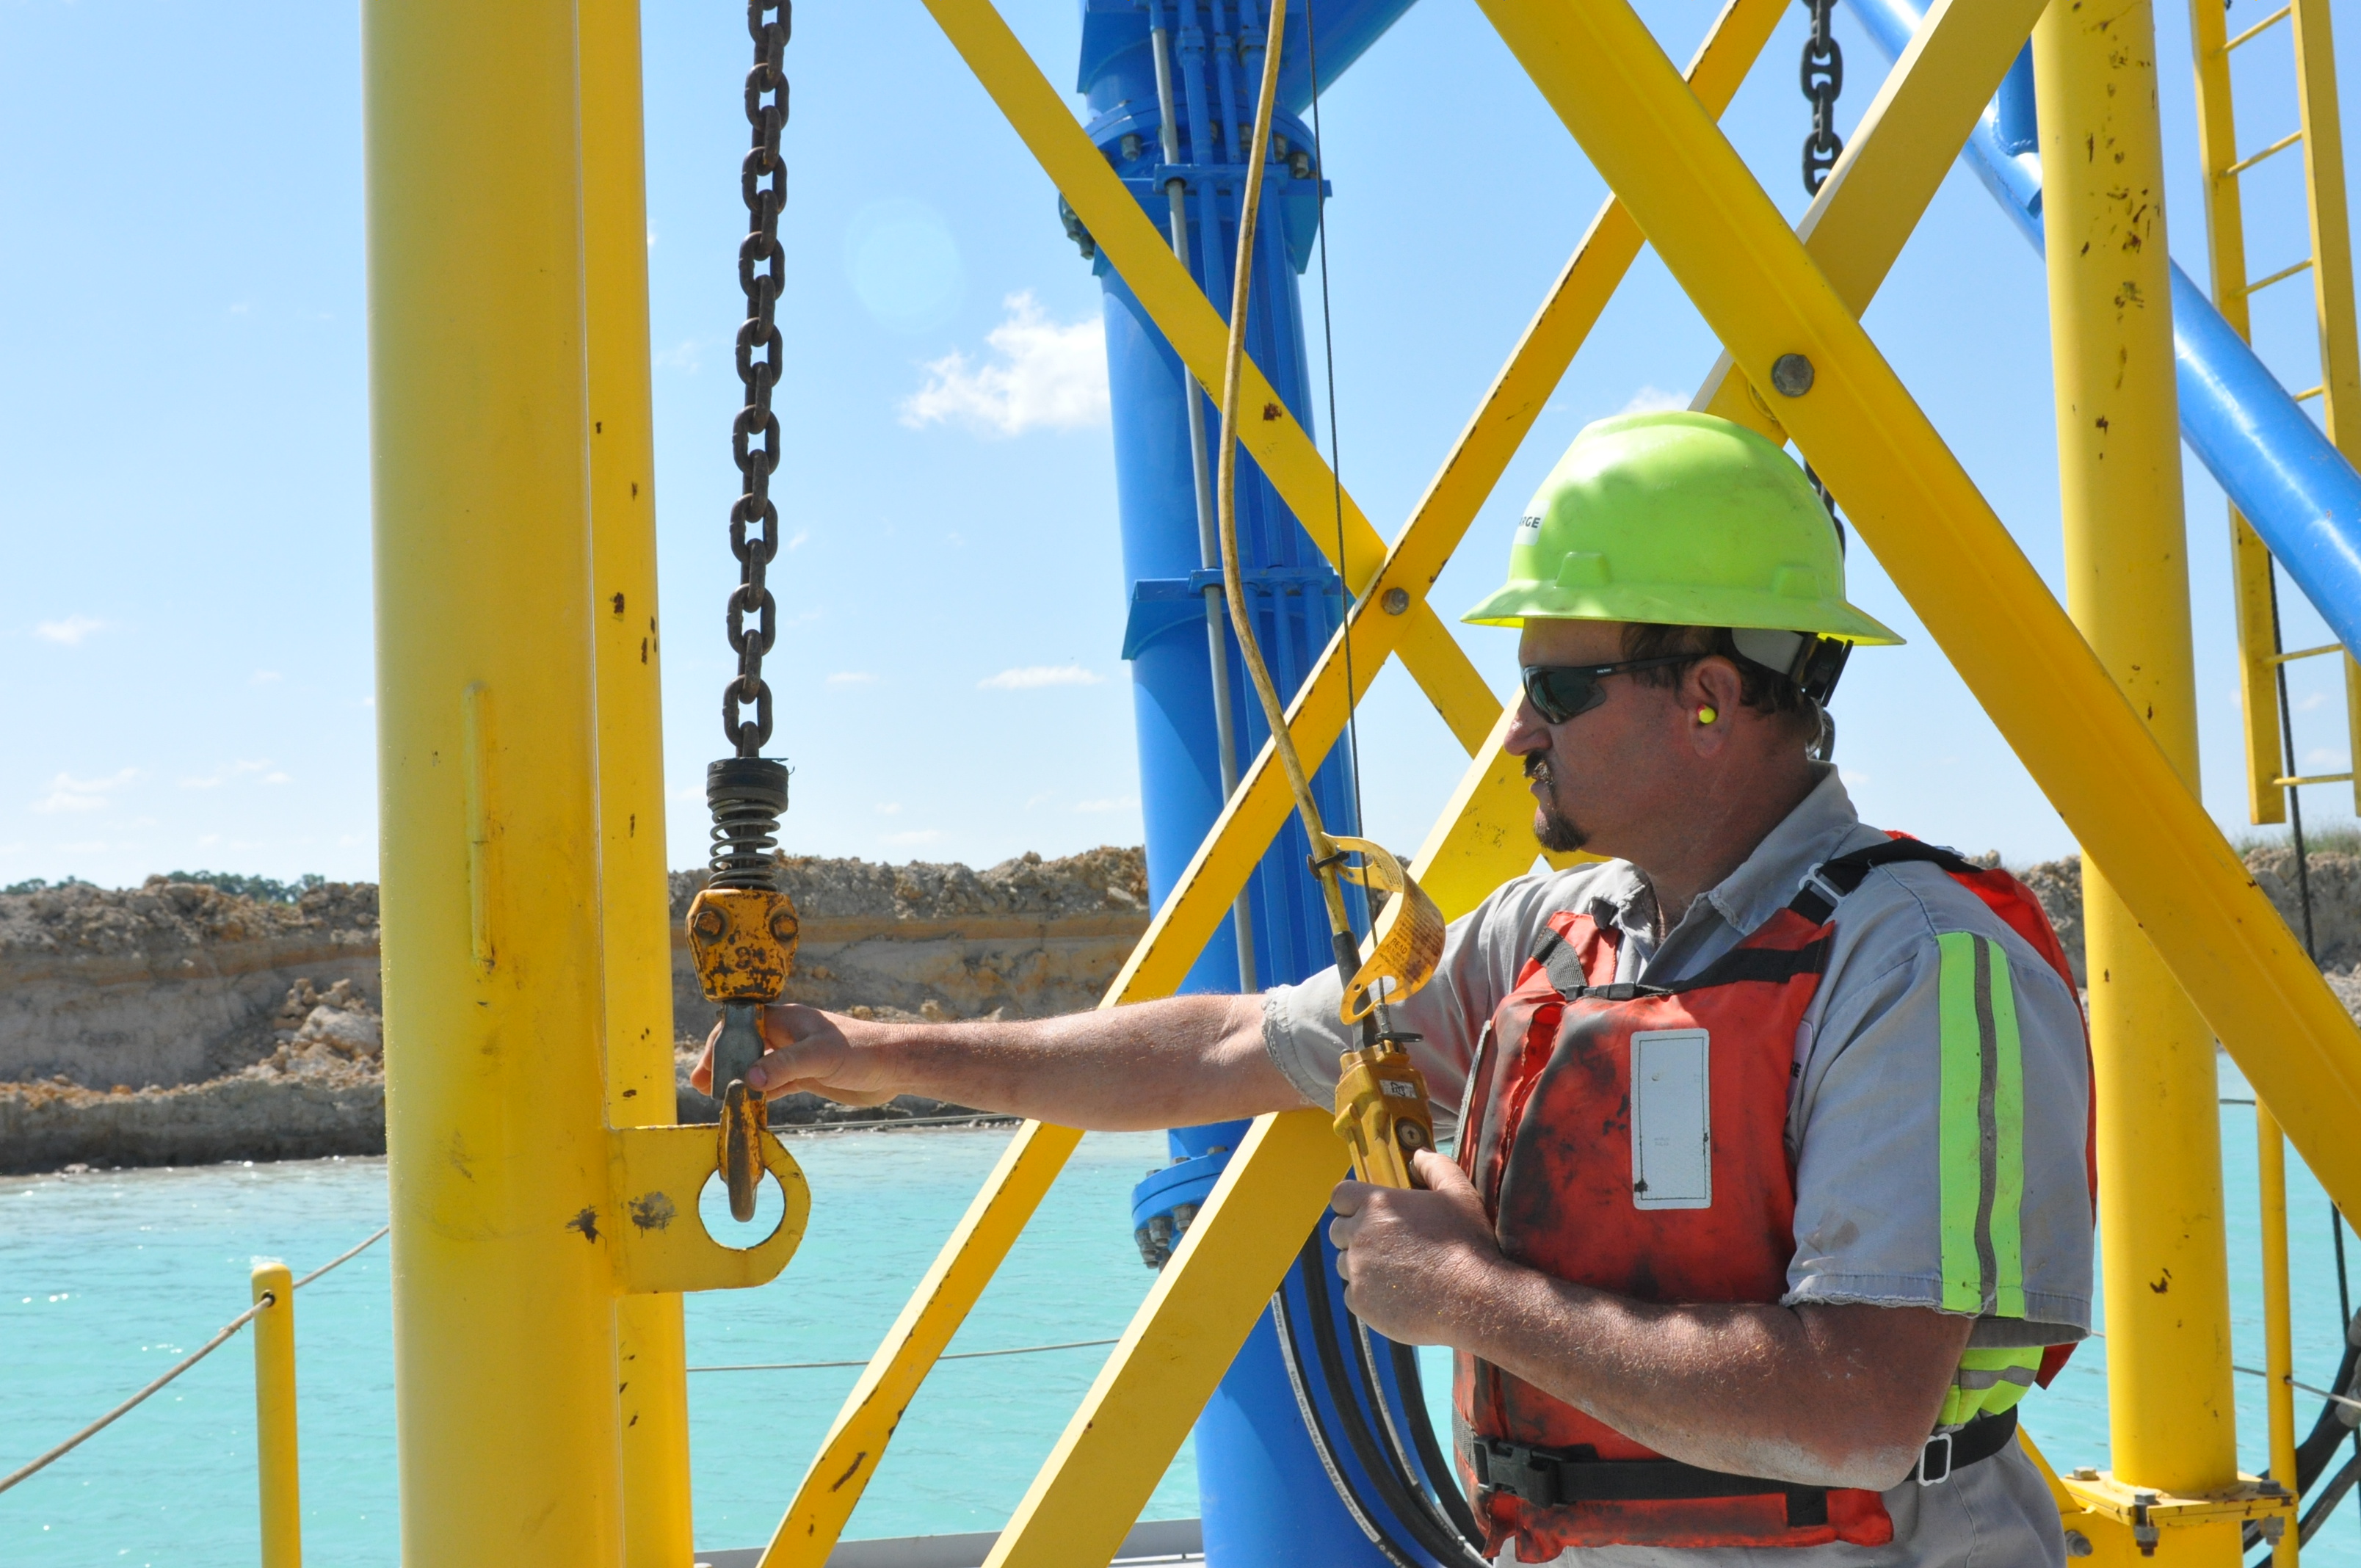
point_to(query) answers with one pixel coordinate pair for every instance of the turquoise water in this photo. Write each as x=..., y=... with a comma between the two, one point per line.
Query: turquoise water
x=105, y=1279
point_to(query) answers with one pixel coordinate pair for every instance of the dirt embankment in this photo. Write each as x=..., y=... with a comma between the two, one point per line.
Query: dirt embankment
x=174, y=1024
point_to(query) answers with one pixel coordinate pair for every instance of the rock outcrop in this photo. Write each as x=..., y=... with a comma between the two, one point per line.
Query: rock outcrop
x=174, y=1024
x=2335, y=879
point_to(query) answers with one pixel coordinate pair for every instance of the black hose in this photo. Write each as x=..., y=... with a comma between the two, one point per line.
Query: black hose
x=1394, y=1490
x=2325, y=1504
x=1423, y=1485
x=1325, y=1446
x=2314, y=1453
x=1430, y=1453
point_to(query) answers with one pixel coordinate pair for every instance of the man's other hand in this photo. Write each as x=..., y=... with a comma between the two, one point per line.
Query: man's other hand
x=806, y=1049
x=1409, y=1257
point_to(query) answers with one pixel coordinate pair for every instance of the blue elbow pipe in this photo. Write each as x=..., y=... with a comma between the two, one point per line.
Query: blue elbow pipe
x=2278, y=468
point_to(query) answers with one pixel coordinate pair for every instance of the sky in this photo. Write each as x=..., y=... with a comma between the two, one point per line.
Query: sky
x=185, y=640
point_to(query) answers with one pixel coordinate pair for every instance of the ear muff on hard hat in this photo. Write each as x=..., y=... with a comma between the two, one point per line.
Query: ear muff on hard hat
x=1686, y=519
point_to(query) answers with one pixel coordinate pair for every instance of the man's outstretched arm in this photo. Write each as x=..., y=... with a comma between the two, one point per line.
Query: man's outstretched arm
x=1173, y=1063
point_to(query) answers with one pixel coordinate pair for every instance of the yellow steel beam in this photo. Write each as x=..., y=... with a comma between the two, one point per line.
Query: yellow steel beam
x=1907, y=140
x=848, y=1457
x=634, y=896
x=1276, y=440
x=497, y=1167
x=1181, y=1342
x=855, y=1445
x=1986, y=606
x=2118, y=423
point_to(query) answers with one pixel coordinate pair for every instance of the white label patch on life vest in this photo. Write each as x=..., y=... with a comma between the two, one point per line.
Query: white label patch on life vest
x=1672, y=1126
x=1398, y=1088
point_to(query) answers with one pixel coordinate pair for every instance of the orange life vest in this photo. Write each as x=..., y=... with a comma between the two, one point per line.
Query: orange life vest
x=1683, y=1191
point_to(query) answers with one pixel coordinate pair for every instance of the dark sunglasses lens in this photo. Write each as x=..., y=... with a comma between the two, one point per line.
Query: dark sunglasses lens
x=1560, y=694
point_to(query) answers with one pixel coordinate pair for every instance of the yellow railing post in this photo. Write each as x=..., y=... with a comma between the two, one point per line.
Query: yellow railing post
x=274, y=1416
x=2164, y=1253
x=2278, y=1344
x=634, y=893
x=498, y=1159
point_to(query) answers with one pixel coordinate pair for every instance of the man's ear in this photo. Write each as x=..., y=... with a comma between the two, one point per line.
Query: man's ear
x=1712, y=688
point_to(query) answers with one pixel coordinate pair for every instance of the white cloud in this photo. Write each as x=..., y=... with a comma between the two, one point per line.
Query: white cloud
x=2306, y=705
x=223, y=775
x=851, y=678
x=802, y=536
x=917, y=836
x=70, y=631
x=1028, y=676
x=1652, y=400
x=681, y=356
x=1042, y=376
x=2323, y=758
x=1125, y=802
x=889, y=808
x=69, y=794
x=263, y=678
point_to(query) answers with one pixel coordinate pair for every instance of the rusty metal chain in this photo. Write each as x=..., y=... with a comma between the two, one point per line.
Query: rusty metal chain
x=1822, y=75
x=761, y=264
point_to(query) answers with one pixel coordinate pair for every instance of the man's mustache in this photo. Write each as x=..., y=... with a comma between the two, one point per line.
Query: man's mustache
x=1537, y=766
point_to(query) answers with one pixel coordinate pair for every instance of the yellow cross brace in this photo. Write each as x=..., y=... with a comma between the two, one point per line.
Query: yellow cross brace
x=1948, y=553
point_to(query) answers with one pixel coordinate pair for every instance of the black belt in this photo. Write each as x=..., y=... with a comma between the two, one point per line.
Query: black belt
x=1558, y=1478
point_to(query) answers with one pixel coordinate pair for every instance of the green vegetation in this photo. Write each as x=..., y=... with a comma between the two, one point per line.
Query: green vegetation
x=2338, y=839
x=37, y=884
x=261, y=889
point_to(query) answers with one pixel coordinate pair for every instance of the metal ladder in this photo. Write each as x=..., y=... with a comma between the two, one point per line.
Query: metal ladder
x=2262, y=662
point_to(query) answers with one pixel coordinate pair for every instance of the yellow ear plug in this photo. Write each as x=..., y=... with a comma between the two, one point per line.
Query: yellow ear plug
x=1707, y=715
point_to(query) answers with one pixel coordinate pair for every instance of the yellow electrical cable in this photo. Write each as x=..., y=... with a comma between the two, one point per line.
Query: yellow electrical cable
x=1407, y=939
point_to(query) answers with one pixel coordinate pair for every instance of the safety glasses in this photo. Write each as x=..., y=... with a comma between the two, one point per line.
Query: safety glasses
x=1559, y=692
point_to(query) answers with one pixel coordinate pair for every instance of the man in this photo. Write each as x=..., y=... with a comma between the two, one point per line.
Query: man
x=1771, y=1176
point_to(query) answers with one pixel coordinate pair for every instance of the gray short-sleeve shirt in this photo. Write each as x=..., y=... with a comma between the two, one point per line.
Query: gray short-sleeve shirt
x=1864, y=1120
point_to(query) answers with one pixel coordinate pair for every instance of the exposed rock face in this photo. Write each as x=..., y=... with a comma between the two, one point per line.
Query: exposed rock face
x=168, y=983
x=174, y=1024
x=2335, y=908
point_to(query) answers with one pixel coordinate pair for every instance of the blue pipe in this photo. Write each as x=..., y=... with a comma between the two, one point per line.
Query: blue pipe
x=1266, y=1500
x=2277, y=467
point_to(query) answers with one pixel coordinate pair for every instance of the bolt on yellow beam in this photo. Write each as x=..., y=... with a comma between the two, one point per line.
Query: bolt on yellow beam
x=1988, y=609
x=276, y=1466
x=2164, y=1251
x=634, y=890
x=1906, y=142
x=497, y=1149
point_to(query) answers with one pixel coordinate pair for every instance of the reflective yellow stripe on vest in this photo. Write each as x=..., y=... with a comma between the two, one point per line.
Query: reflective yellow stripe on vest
x=1982, y=1136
